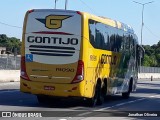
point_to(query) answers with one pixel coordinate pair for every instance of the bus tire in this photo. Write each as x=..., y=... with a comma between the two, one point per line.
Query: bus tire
x=101, y=95
x=92, y=102
x=126, y=95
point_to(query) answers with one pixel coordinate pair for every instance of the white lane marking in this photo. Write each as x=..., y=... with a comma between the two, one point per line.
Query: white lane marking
x=77, y=108
x=86, y=113
x=9, y=91
x=120, y=104
x=154, y=96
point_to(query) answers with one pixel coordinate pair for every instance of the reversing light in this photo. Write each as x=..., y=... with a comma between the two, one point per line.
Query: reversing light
x=80, y=72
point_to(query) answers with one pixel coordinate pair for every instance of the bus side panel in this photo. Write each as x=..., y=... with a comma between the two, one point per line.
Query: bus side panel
x=95, y=68
x=88, y=73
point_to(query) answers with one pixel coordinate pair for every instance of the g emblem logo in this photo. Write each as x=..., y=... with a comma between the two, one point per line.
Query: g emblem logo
x=54, y=21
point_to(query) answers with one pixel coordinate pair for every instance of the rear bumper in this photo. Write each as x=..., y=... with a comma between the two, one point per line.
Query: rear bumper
x=59, y=90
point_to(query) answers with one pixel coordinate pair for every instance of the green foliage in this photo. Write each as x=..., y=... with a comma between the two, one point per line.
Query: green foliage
x=146, y=60
x=158, y=59
x=152, y=55
x=10, y=43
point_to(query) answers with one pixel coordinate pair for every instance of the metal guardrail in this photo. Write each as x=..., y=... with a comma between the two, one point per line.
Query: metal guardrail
x=9, y=62
x=144, y=69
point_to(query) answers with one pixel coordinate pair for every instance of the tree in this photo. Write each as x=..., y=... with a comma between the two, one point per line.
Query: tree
x=10, y=43
x=152, y=55
x=3, y=40
x=146, y=60
x=158, y=59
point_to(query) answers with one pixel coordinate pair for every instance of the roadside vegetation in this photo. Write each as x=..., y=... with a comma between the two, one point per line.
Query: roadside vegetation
x=152, y=55
x=12, y=44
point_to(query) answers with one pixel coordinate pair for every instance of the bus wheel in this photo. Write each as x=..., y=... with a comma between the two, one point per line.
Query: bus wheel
x=126, y=95
x=91, y=102
x=101, y=95
x=98, y=98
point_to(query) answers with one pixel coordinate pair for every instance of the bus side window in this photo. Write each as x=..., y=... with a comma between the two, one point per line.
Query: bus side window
x=92, y=33
x=99, y=35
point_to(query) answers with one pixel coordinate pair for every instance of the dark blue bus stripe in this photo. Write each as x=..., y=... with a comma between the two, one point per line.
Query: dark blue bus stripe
x=51, y=54
x=52, y=47
x=51, y=51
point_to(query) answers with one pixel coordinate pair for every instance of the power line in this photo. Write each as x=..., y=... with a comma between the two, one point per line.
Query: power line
x=10, y=25
x=152, y=32
x=88, y=6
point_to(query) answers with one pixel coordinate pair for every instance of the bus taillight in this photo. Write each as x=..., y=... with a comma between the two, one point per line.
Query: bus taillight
x=80, y=72
x=23, y=69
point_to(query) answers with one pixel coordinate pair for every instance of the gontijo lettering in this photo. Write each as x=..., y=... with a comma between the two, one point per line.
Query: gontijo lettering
x=52, y=40
x=108, y=59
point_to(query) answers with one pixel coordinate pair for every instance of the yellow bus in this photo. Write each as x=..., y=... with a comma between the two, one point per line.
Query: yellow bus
x=76, y=54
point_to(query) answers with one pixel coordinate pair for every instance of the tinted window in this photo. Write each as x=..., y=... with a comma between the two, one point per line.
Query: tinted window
x=109, y=38
x=98, y=35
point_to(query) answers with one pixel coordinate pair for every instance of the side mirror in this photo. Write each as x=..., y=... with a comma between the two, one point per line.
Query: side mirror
x=139, y=53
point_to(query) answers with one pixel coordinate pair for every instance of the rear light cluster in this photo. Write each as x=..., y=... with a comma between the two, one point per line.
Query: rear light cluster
x=80, y=72
x=78, y=12
x=23, y=69
x=30, y=11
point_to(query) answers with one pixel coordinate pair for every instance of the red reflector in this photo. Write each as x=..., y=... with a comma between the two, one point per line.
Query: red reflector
x=25, y=84
x=74, y=88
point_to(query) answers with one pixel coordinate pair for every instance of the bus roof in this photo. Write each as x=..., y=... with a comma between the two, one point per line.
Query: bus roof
x=111, y=22
x=101, y=19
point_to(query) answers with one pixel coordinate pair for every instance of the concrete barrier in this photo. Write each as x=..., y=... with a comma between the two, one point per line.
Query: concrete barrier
x=148, y=75
x=9, y=75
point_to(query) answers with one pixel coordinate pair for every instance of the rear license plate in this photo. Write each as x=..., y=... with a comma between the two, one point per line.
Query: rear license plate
x=49, y=88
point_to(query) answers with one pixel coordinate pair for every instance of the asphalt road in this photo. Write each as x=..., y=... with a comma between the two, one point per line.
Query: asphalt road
x=145, y=101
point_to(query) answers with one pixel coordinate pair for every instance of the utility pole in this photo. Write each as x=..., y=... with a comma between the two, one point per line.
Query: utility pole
x=55, y=4
x=143, y=4
x=66, y=3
